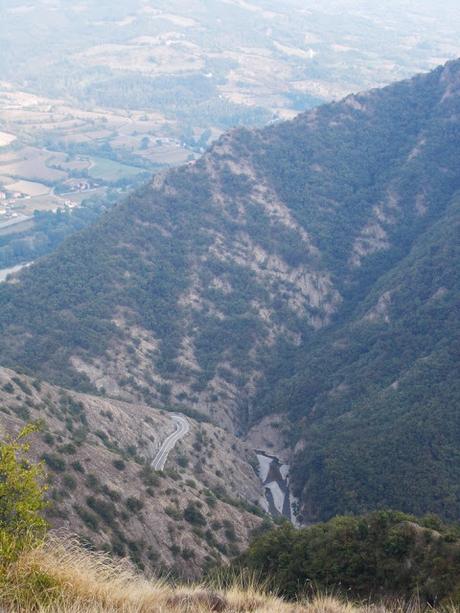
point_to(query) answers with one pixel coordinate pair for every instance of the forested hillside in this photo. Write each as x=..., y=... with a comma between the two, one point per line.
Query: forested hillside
x=378, y=396
x=309, y=269
x=384, y=554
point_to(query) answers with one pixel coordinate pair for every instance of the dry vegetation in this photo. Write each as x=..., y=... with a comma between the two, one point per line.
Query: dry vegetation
x=61, y=576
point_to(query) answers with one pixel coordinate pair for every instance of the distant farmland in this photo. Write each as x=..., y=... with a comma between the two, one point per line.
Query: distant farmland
x=6, y=139
x=108, y=170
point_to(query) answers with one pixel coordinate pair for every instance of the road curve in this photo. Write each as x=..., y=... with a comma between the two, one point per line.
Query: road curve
x=182, y=428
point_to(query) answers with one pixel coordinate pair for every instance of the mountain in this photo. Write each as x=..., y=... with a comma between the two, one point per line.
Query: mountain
x=306, y=274
x=97, y=454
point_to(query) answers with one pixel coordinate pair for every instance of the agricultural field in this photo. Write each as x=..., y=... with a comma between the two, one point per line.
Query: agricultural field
x=95, y=97
x=6, y=139
x=109, y=171
x=54, y=155
x=216, y=64
x=29, y=188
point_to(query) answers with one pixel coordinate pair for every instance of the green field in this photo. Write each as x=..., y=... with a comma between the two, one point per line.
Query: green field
x=108, y=170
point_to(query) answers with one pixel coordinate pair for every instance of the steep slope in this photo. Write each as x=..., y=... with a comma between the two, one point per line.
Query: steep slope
x=97, y=454
x=272, y=275
x=379, y=396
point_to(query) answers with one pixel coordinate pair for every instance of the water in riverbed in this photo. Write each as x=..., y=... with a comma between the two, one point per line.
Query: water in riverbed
x=277, y=499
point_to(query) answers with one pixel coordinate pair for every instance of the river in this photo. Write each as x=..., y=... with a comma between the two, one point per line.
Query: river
x=277, y=499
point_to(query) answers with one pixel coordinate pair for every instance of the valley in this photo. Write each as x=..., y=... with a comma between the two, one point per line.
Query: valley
x=101, y=98
x=264, y=279
x=229, y=297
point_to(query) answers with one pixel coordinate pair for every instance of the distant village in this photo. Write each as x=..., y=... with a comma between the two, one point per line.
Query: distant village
x=12, y=201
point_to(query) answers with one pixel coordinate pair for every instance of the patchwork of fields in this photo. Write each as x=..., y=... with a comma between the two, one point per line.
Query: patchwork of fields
x=53, y=154
x=102, y=95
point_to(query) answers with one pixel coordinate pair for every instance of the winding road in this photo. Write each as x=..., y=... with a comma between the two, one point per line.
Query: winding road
x=182, y=428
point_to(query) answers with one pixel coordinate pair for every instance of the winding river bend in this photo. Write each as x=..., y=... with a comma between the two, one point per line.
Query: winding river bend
x=278, y=499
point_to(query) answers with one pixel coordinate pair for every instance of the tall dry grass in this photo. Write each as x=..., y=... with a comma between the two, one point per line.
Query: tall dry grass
x=62, y=577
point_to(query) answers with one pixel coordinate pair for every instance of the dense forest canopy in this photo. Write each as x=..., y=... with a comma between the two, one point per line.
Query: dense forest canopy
x=384, y=554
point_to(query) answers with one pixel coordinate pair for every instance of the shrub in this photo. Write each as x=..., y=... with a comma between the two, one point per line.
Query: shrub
x=21, y=497
x=69, y=449
x=194, y=516
x=149, y=476
x=119, y=464
x=54, y=462
x=69, y=482
x=78, y=466
x=173, y=512
x=134, y=504
x=48, y=438
x=92, y=482
x=112, y=494
x=182, y=461
x=106, y=510
x=23, y=386
x=22, y=412
x=187, y=553
x=90, y=520
x=230, y=534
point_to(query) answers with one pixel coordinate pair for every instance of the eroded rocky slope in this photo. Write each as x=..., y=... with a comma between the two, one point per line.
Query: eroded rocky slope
x=97, y=454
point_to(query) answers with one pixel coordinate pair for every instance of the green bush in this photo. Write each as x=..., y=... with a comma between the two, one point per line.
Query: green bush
x=134, y=504
x=194, y=516
x=78, y=466
x=386, y=553
x=90, y=519
x=69, y=482
x=54, y=462
x=48, y=438
x=149, y=476
x=173, y=512
x=105, y=509
x=119, y=464
x=92, y=482
x=21, y=497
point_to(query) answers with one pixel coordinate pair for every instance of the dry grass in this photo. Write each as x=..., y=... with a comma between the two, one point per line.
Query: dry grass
x=61, y=577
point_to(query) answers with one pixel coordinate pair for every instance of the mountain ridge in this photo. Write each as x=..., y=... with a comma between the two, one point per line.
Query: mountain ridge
x=222, y=286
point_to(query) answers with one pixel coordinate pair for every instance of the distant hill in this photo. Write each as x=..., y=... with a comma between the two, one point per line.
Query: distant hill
x=309, y=269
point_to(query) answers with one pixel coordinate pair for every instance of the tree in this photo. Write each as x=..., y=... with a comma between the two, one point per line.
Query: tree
x=21, y=497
